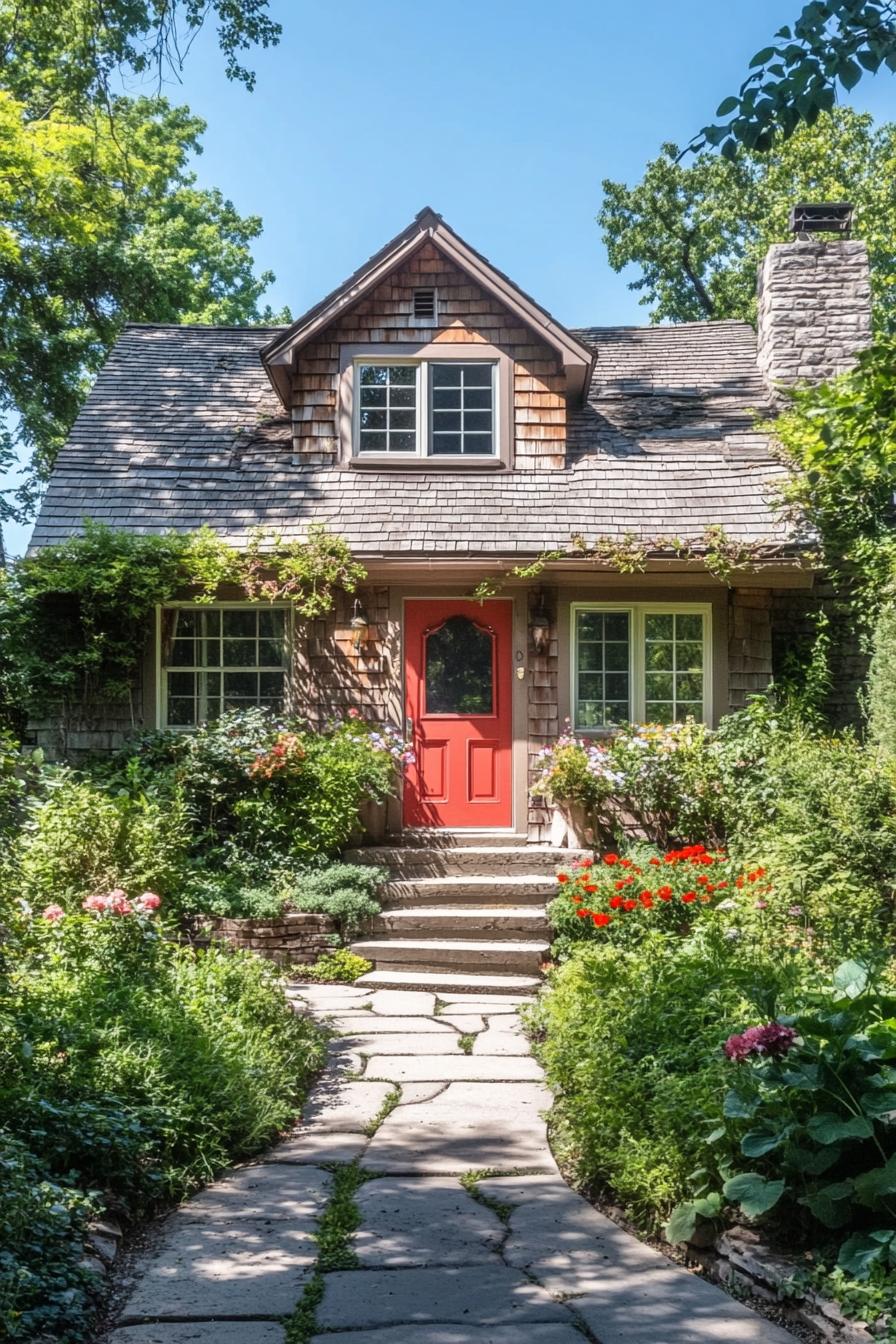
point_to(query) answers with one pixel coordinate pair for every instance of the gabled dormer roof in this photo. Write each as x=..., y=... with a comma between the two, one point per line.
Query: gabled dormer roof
x=279, y=355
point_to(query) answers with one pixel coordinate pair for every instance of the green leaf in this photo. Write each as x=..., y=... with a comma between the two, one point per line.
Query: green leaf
x=851, y=978
x=832, y=1204
x=849, y=73
x=716, y=1134
x=727, y=106
x=762, y=56
x=879, y=1101
x=827, y=1127
x=877, y=1183
x=737, y=1107
x=683, y=1220
x=758, y=1142
x=814, y=1161
x=753, y=1193
x=860, y=1252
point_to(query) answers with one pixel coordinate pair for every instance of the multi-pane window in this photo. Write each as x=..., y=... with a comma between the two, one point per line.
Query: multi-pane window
x=219, y=658
x=639, y=663
x=462, y=408
x=673, y=666
x=387, y=413
x=426, y=408
x=603, y=673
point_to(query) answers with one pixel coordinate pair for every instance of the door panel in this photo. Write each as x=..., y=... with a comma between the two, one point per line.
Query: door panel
x=458, y=689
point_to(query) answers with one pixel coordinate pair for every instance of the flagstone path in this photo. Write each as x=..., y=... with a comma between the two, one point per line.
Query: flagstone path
x=512, y=1256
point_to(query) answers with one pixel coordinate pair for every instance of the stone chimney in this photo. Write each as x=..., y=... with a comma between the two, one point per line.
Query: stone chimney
x=814, y=301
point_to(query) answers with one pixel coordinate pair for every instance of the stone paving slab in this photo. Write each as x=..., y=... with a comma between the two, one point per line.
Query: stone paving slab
x=267, y=1190
x=489, y=1295
x=494, y=1003
x=458, y=1334
x=463, y=1021
x=625, y=1291
x=323, y=995
x=501, y=1040
x=469, y=1125
x=453, y=1067
x=413, y=1093
x=318, y=1146
x=403, y=1003
x=200, y=1332
x=422, y=1043
x=372, y=1023
x=345, y=1107
x=243, y=1268
x=428, y=1220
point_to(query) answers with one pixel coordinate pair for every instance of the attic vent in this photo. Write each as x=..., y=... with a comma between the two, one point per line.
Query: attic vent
x=425, y=305
x=823, y=217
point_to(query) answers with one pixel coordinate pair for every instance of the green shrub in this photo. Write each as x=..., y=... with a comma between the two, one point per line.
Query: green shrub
x=82, y=836
x=882, y=682
x=337, y=967
x=631, y=1047
x=132, y=1065
x=344, y=891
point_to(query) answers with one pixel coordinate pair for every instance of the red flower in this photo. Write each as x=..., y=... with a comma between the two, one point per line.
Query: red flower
x=610, y=859
x=600, y=920
x=615, y=902
x=629, y=905
x=646, y=900
x=702, y=880
x=720, y=886
x=625, y=863
x=586, y=863
x=590, y=886
x=664, y=893
x=655, y=862
x=740, y=882
x=689, y=896
x=583, y=913
x=619, y=885
x=563, y=877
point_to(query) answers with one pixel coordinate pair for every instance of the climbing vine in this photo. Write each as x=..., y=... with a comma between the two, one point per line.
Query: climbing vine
x=75, y=618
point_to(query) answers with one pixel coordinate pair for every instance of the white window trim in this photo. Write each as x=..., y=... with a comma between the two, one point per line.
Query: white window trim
x=424, y=410
x=160, y=668
x=637, y=613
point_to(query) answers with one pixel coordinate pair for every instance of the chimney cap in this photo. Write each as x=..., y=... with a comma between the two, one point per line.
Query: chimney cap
x=822, y=217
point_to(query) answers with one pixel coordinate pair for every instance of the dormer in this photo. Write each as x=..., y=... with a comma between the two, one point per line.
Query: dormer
x=429, y=358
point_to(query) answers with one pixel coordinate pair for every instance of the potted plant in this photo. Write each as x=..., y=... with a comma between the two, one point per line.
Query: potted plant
x=575, y=777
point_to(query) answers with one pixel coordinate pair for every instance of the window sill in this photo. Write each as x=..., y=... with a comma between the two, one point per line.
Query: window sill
x=392, y=461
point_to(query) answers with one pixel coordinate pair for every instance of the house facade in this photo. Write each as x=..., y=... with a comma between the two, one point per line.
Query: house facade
x=453, y=432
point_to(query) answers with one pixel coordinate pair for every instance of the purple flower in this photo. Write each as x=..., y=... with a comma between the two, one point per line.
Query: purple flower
x=773, y=1039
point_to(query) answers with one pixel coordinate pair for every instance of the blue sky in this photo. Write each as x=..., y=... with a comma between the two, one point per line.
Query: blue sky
x=503, y=114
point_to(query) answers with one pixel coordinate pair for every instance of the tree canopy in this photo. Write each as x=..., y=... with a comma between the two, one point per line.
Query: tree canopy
x=101, y=218
x=698, y=229
x=795, y=79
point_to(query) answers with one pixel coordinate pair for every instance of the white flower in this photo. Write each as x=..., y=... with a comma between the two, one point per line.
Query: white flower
x=727, y=905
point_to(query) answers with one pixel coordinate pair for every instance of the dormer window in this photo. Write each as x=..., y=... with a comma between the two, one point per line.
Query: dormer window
x=426, y=408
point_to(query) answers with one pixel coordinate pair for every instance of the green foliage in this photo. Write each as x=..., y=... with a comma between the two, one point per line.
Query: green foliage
x=132, y=1065
x=882, y=682
x=76, y=618
x=337, y=967
x=698, y=230
x=632, y=1054
x=101, y=220
x=795, y=78
x=347, y=892
x=80, y=838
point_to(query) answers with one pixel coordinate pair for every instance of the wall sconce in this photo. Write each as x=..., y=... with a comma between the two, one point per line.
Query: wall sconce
x=540, y=626
x=359, y=625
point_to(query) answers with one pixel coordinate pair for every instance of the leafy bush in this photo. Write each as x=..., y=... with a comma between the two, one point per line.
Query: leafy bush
x=344, y=891
x=133, y=1065
x=882, y=682
x=631, y=1039
x=809, y=1115
x=81, y=836
x=337, y=967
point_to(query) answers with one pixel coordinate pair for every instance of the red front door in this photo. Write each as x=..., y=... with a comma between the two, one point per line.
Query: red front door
x=458, y=684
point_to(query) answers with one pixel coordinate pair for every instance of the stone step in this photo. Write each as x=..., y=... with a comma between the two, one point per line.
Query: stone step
x=442, y=954
x=445, y=983
x=513, y=890
x=472, y=921
x=473, y=860
x=423, y=837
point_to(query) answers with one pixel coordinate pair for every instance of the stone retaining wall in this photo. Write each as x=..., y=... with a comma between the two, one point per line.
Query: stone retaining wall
x=286, y=940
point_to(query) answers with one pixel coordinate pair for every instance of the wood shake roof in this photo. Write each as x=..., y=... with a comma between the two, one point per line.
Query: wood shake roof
x=183, y=427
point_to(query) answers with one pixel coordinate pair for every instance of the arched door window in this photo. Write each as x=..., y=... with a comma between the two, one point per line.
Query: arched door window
x=459, y=677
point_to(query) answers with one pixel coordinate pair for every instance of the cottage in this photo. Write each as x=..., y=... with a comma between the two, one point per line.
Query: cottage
x=453, y=431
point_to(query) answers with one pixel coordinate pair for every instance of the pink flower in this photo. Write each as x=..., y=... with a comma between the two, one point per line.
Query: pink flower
x=148, y=901
x=772, y=1039
x=53, y=913
x=354, y=713
x=117, y=903
x=95, y=903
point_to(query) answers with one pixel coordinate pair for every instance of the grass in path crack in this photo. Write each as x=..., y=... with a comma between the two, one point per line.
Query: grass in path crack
x=470, y=1182
x=335, y=1229
x=391, y=1101
x=465, y=1042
